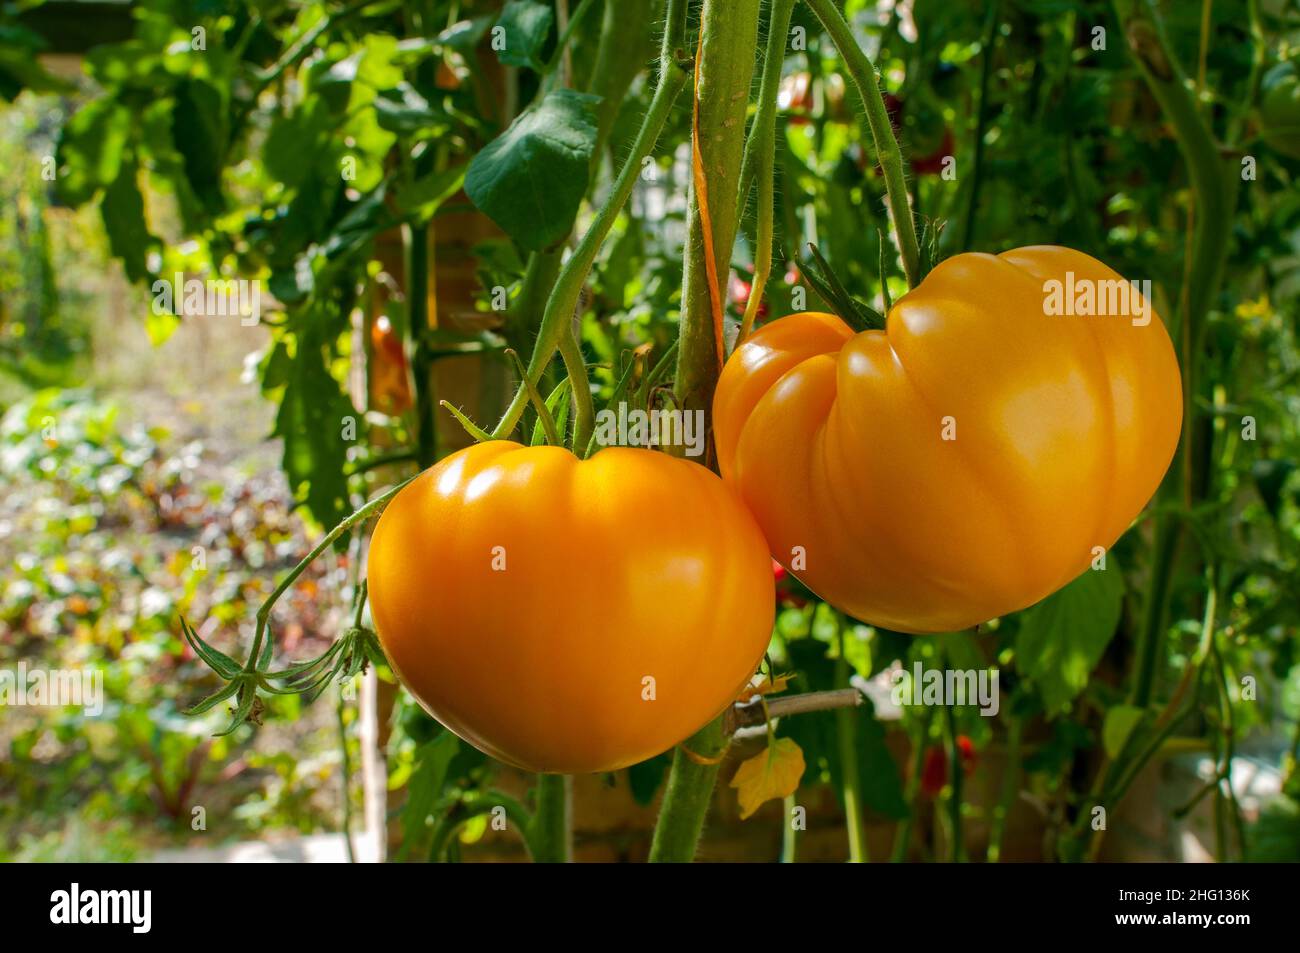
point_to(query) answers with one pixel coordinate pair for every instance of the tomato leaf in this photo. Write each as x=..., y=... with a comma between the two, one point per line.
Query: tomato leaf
x=531, y=178
x=310, y=421
x=431, y=761
x=644, y=778
x=90, y=147
x=772, y=773
x=200, y=135
x=525, y=26
x=1062, y=638
x=879, y=780
x=1119, y=724
x=123, y=213
x=420, y=198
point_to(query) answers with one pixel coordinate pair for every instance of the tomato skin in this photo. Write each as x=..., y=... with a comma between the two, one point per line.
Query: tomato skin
x=934, y=770
x=1279, y=109
x=628, y=565
x=1064, y=426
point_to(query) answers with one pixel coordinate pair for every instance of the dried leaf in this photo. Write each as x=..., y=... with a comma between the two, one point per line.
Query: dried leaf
x=773, y=773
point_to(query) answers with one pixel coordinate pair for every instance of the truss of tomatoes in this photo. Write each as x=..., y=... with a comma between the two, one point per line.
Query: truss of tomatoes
x=965, y=462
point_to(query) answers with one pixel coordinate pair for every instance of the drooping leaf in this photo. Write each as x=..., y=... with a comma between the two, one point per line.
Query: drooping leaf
x=772, y=773
x=1062, y=638
x=90, y=149
x=310, y=422
x=531, y=179
x=123, y=214
x=200, y=135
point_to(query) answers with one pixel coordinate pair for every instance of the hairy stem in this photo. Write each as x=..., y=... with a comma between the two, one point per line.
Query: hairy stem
x=564, y=297
x=863, y=73
x=760, y=150
x=724, y=74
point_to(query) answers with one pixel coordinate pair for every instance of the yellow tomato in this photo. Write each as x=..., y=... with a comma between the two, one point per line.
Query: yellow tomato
x=969, y=459
x=570, y=616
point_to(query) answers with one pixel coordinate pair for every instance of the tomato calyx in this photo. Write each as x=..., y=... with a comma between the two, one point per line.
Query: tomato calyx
x=344, y=659
x=855, y=312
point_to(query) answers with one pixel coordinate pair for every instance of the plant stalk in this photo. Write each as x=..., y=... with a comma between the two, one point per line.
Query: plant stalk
x=863, y=73
x=558, y=316
x=724, y=74
x=846, y=728
x=551, y=836
x=686, y=801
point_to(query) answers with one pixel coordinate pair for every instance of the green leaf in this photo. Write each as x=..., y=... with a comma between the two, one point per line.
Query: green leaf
x=123, y=213
x=531, y=179
x=879, y=780
x=19, y=68
x=1062, y=638
x=1119, y=724
x=362, y=222
x=463, y=36
x=431, y=761
x=199, y=133
x=644, y=778
x=90, y=150
x=310, y=421
x=525, y=26
x=421, y=198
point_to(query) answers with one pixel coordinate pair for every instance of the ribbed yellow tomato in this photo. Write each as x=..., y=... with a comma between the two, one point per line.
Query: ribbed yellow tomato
x=570, y=616
x=964, y=462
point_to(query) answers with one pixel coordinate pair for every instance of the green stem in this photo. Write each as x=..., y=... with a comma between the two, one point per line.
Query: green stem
x=686, y=801
x=365, y=512
x=903, y=836
x=539, y=279
x=584, y=412
x=863, y=73
x=1215, y=195
x=846, y=727
x=981, y=119
x=382, y=460
x=761, y=149
x=455, y=821
x=956, y=777
x=417, y=283
x=346, y=778
x=789, y=833
x=551, y=833
x=544, y=418
x=724, y=76
x=568, y=287
x=1010, y=789
x=563, y=42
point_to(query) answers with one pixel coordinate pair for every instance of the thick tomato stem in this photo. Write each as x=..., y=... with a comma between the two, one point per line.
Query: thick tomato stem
x=725, y=73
